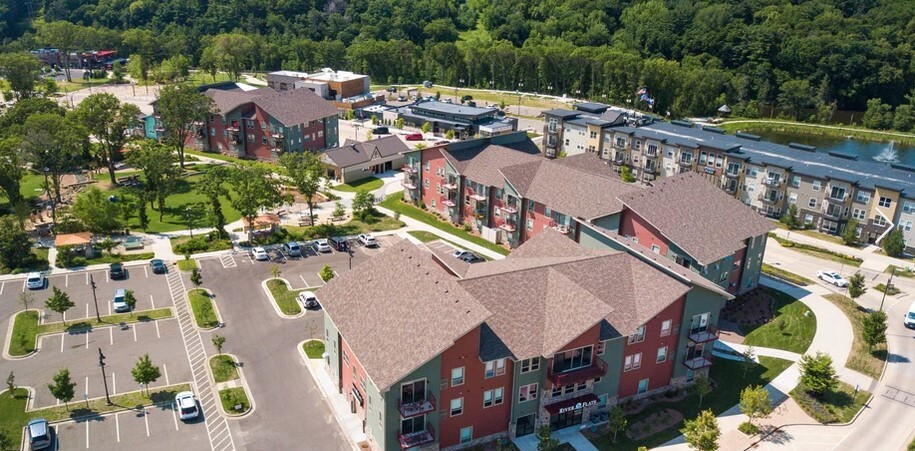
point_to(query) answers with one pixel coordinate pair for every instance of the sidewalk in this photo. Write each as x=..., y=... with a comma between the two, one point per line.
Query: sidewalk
x=872, y=260
x=349, y=422
x=413, y=224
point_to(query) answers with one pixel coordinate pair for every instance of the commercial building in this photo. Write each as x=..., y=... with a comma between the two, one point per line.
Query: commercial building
x=436, y=354
x=356, y=160
x=262, y=123
x=464, y=120
x=828, y=189
x=508, y=193
x=345, y=90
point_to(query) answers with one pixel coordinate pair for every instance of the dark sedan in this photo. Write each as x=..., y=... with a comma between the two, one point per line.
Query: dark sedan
x=158, y=266
x=117, y=271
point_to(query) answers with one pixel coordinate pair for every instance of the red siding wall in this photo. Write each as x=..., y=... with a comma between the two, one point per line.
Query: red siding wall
x=734, y=279
x=316, y=142
x=256, y=148
x=633, y=225
x=352, y=375
x=658, y=374
x=541, y=220
x=214, y=141
x=485, y=421
x=436, y=161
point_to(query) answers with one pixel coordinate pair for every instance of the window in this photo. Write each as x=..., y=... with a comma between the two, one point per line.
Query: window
x=662, y=354
x=466, y=434
x=815, y=185
x=250, y=137
x=572, y=360
x=812, y=203
x=593, y=135
x=906, y=225
x=620, y=142
x=638, y=336
x=627, y=364
x=885, y=202
x=494, y=368
x=863, y=197
x=656, y=249
x=719, y=160
x=528, y=365
x=530, y=205
x=263, y=140
x=601, y=347
x=345, y=357
x=638, y=145
x=643, y=386
x=212, y=132
x=792, y=198
x=487, y=398
x=665, y=328
x=652, y=149
x=637, y=361
x=837, y=192
x=879, y=221
x=263, y=126
x=859, y=214
x=457, y=376
x=530, y=224
x=908, y=207
x=527, y=392
x=808, y=218
x=457, y=406
x=796, y=181
x=493, y=397
x=686, y=158
x=702, y=157
x=428, y=165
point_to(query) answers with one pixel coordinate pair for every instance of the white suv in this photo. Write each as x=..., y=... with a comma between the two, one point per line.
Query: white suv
x=35, y=281
x=187, y=406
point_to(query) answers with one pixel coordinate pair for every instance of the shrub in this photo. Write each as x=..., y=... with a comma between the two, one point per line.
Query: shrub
x=326, y=273
x=748, y=428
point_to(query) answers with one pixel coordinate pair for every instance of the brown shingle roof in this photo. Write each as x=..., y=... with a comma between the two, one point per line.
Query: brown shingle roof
x=482, y=166
x=699, y=218
x=567, y=189
x=354, y=152
x=292, y=107
x=399, y=311
x=227, y=101
x=588, y=162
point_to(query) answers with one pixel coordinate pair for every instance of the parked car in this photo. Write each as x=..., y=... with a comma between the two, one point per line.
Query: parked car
x=116, y=271
x=448, y=101
x=39, y=434
x=187, y=406
x=381, y=131
x=442, y=143
x=35, y=281
x=427, y=84
x=401, y=99
x=460, y=253
x=367, y=240
x=391, y=89
x=832, y=277
x=158, y=266
x=119, y=302
x=465, y=98
x=308, y=300
x=260, y=254
x=470, y=257
x=292, y=249
x=414, y=137
x=321, y=245
x=339, y=243
x=909, y=320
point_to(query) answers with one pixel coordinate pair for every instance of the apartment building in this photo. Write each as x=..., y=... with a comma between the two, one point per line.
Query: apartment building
x=464, y=120
x=502, y=189
x=828, y=189
x=262, y=123
x=345, y=90
x=434, y=353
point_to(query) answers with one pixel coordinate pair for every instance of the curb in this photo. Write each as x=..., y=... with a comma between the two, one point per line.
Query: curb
x=307, y=363
x=215, y=309
x=243, y=383
x=9, y=338
x=276, y=307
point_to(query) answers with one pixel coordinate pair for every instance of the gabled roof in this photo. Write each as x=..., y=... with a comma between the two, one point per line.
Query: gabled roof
x=482, y=165
x=588, y=162
x=699, y=218
x=399, y=311
x=354, y=152
x=292, y=107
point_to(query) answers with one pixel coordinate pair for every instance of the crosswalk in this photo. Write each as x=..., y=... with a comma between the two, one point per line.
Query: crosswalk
x=227, y=261
x=217, y=426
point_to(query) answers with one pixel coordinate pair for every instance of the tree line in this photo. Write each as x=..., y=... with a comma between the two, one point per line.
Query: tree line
x=805, y=58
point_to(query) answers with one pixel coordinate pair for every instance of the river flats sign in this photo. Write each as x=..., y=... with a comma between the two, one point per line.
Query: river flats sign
x=578, y=406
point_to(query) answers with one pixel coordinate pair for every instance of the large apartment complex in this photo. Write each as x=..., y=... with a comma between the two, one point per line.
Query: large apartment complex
x=433, y=353
x=504, y=190
x=829, y=189
x=345, y=90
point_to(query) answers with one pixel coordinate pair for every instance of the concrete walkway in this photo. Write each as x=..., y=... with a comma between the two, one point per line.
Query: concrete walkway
x=348, y=421
x=872, y=260
x=570, y=435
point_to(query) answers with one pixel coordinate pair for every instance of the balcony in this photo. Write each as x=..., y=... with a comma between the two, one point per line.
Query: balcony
x=772, y=183
x=597, y=369
x=832, y=211
x=618, y=158
x=232, y=128
x=730, y=188
x=409, y=169
x=450, y=186
x=509, y=209
x=685, y=163
x=697, y=363
x=478, y=197
x=703, y=336
x=767, y=199
x=448, y=203
x=408, y=184
x=277, y=135
x=732, y=174
x=561, y=229
x=160, y=129
x=650, y=169
x=508, y=227
x=417, y=438
x=412, y=409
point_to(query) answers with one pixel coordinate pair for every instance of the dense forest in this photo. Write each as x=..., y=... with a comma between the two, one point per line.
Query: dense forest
x=801, y=56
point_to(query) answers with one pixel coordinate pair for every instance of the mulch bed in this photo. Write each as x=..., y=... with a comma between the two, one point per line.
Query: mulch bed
x=753, y=309
x=653, y=424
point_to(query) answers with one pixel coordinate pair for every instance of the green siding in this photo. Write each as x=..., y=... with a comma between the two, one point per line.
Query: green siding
x=593, y=239
x=753, y=264
x=331, y=132
x=375, y=406
x=331, y=347
x=613, y=357
x=611, y=222
x=698, y=300
x=527, y=407
x=432, y=372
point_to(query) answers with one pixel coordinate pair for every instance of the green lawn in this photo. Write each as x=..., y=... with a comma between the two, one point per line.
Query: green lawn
x=836, y=406
x=13, y=416
x=395, y=202
x=787, y=276
x=223, y=367
x=26, y=327
x=366, y=184
x=353, y=227
x=40, y=263
x=31, y=186
x=204, y=312
x=818, y=252
x=199, y=243
x=232, y=397
x=861, y=359
x=813, y=234
x=105, y=257
x=790, y=330
x=187, y=265
x=285, y=298
x=899, y=272
x=728, y=374
x=426, y=237
x=314, y=349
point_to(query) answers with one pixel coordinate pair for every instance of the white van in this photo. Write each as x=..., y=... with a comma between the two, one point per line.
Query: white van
x=909, y=320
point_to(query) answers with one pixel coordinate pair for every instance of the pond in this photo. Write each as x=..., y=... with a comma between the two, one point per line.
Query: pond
x=866, y=150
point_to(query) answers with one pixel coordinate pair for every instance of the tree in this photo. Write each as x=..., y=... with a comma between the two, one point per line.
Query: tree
x=904, y=118
x=96, y=212
x=26, y=299
x=142, y=217
x=22, y=71
x=11, y=172
x=62, y=35
x=703, y=386
x=145, y=372
x=790, y=218
x=878, y=115
x=339, y=210
x=212, y=185
x=874, y=331
x=617, y=421
x=626, y=174
x=255, y=188
x=275, y=271
x=326, y=273
x=545, y=440
x=131, y=300
x=5, y=441
x=209, y=62
x=117, y=72
x=449, y=134
x=109, y=121
x=59, y=302
x=749, y=359
x=157, y=163
x=795, y=95
x=218, y=342
x=138, y=67
x=894, y=243
x=399, y=123
x=15, y=247
x=53, y=143
x=849, y=233
x=11, y=385
x=755, y=402
x=363, y=205
x=232, y=52
x=62, y=388
x=196, y=277
x=702, y=433
x=426, y=127
x=180, y=107
x=817, y=374
x=856, y=285
x=306, y=170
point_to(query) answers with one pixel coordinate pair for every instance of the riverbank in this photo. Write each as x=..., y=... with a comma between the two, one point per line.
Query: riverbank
x=842, y=132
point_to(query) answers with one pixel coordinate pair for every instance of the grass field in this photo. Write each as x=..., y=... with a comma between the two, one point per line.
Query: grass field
x=204, y=312
x=861, y=359
x=223, y=367
x=818, y=252
x=788, y=276
x=836, y=406
x=791, y=330
x=366, y=184
x=285, y=298
x=232, y=397
x=314, y=349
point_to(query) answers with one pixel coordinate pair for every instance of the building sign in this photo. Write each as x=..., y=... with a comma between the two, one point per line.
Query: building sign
x=578, y=406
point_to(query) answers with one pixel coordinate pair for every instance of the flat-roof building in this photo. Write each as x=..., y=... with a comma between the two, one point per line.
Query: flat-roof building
x=465, y=120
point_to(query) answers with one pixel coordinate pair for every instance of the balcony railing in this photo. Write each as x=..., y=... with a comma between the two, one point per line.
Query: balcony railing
x=651, y=169
x=767, y=199
x=703, y=336
x=412, y=409
x=508, y=227
x=509, y=209
x=409, y=169
x=697, y=363
x=408, y=184
x=478, y=197
x=561, y=229
x=450, y=185
x=448, y=203
x=597, y=369
x=730, y=188
x=417, y=438
x=685, y=163
x=774, y=183
x=277, y=135
x=232, y=128
x=732, y=174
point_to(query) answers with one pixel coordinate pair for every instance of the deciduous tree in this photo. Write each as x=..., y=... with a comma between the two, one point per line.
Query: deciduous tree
x=109, y=121
x=15, y=247
x=306, y=170
x=55, y=143
x=703, y=386
x=96, y=212
x=856, y=285
x=617, y=421
x=159, y=171
x=181, y=106
x=849, y=233
x=874, y=331
x=894, y=243
x=144, y=372
x=59, y=302
x=255, y=188
x=702, y=432
x=213, y=186
x=62, y=387
x=22, y=72
x=219, y=341
x=817, y=374
x=755, y=402
x=233, y=52
x=131, y=300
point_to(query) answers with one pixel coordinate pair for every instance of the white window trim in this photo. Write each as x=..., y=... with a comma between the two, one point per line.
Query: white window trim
x=463, y=376
x=451, y=408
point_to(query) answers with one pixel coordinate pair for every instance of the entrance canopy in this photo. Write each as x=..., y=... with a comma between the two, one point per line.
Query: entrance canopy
x=571, y=405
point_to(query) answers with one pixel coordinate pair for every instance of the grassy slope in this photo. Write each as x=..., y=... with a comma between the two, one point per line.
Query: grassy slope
x=798, y=329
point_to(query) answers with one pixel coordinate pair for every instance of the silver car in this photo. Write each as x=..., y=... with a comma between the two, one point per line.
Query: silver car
x=321, y=245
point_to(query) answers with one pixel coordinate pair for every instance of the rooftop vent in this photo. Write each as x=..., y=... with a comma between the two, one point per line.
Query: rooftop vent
x=748, y=136
x=903, y=167
x=803, y=147
x=846, y=156
x=682, y=123
x=717, y=130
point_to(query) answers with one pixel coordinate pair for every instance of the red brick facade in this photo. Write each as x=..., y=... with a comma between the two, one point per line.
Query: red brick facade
x=433, y=178
x=658, y=374
x=352, y=377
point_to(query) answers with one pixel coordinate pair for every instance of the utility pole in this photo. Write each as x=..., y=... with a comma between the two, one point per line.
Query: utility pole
x=101, y=363
x=95, y=300
x=887, y=287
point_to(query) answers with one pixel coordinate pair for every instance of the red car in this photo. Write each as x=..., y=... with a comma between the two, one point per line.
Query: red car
x=414, y=137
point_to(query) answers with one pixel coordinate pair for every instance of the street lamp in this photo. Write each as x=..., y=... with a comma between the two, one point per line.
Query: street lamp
x=94, y=299
x=101, y=363
x=356, y=131
x=887, y=288
x=520, y=85
x=460, y=82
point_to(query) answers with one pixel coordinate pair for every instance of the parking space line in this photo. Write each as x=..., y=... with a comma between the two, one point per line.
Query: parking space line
x=1, y=287
x=146, y=420
x=117, y=427
x=65, y=317
x=87, y=340
x=146, y=271
x=109, y=308
x=111, y=336
x=135, y=332
x=152, y=301
x=23, y=286
x=165, y=370
x=87, y=310
x=106, y=277
x=66, y=281
x=157, y=329
x=174, y=415
x=114, y=384
x=41, y=318
x=87, y=435
x=303, y=280
x=62, y=342
x=87, y=278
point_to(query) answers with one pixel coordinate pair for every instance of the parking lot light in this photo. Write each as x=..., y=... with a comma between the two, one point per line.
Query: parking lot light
x=101, y=363
x=94, y=299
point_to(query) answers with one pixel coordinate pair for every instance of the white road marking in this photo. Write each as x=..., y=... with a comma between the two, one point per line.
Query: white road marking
x=109, y=308
x=146, y=420
x=106, y=277
x=111, y=335
x=87, y=435
x=87, y=340
x=87, y=310
x=152, y=301
x=165, y=370
x=146, y=271
x=58, y=402
x=157, y=329
x=303, y=280
x=175, y=415
x=65, y=317
x=23, y=286
x=62, y=342
x=1, y=287
x=249, y=261
x=87, y=278
x=114, y=384
x=66, y=280
x=41, y=317
x=117, y=427
x=135, y=332
x=87, y=386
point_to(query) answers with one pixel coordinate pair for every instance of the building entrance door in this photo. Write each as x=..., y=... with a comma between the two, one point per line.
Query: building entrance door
x=566, y=419
x=524, y=425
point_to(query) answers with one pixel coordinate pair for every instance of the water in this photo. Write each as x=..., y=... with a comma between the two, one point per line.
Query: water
x=866, y=150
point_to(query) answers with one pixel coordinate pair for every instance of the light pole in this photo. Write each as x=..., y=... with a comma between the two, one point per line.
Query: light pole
x=101, y=363
x=520, y=85
x=355, y=131
x=460, y=82
x=887, y=288
x=94, y=299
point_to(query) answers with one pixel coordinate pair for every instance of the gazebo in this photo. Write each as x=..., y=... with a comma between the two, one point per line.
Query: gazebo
x=724, y=110
x=266, y=221
x=75, y=239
